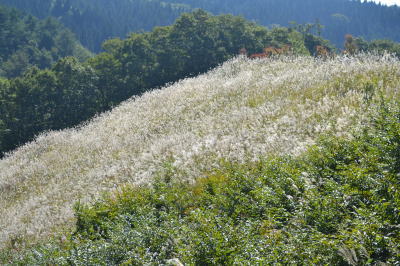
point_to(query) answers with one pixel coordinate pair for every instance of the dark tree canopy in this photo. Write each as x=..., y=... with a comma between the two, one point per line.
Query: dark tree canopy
x=26, y=41
x=94, y=21
x=339, y=17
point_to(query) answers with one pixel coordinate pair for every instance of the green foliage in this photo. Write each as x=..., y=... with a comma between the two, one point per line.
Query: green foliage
x=378, y=46
x=359, y=18
x=96, y=21
x=196, y=43
x=26, y=41
x=42, y=100
x=93, y=22
x=337, y=204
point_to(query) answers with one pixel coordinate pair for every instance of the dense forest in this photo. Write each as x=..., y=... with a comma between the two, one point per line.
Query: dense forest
x=339, y=17
x=70, y=92
x=377, y=45
x=26, y=41
x=97, y=20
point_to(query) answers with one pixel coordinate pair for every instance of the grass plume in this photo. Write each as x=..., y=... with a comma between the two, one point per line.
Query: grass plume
x=241, y=111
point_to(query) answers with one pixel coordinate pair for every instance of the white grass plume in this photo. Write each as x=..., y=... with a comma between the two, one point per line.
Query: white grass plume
x=240, y=111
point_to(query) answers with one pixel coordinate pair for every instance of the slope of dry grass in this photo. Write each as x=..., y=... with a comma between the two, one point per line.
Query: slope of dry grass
x=239, y=111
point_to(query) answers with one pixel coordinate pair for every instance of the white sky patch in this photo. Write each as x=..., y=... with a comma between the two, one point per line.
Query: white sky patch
x=387, y=2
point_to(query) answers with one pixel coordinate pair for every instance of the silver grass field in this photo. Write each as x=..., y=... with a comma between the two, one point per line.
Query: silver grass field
x=241, y=111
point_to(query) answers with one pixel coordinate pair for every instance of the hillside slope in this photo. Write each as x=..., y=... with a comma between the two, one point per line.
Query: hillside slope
x=238, y=112
x=71, y=92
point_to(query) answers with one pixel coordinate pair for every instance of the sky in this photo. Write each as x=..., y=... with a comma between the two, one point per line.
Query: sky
x=388, y=2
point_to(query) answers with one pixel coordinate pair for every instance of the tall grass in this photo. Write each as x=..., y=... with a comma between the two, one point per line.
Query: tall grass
x=241, y=111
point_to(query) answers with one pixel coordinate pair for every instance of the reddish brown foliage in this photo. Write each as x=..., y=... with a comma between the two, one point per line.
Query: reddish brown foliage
x=322, y=51
x=350, y=46
x=271, y=51
x=263, y=55
x=243, y=51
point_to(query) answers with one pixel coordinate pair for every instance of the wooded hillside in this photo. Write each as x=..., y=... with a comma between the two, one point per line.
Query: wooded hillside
x=94, y=21
x=27, y=41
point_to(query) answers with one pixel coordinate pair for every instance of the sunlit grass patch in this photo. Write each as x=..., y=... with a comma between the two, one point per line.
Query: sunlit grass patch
x=335, y=204
x=241, y=111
